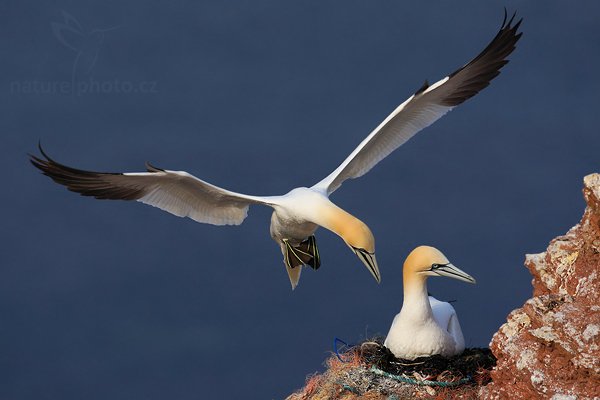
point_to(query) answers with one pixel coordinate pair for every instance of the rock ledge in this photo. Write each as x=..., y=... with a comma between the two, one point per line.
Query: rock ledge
x=550, y=348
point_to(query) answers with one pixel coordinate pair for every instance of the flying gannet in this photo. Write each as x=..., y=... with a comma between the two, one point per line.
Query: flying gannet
x=300, y=212
x=426, y=326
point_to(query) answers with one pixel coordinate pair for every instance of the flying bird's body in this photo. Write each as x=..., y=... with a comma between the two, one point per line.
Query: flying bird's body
x=300, y=212
x=426, y=326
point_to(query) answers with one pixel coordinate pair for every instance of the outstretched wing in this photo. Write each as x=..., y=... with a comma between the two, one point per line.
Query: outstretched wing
x=425, y=107
x=176, y=192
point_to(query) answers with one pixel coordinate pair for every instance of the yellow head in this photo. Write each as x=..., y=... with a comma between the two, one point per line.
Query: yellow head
x=427, y=261
x=357, y=236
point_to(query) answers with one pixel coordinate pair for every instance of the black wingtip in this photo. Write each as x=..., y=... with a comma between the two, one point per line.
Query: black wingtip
x=511, y=19
x=101, y=185
x=37, y=161
x=516, y=28
x=46, y=156
x=509, y=25
x=488, y=63
x=423, y=88
x=152, y=168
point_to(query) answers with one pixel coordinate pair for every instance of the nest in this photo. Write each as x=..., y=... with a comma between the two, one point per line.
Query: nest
x=471, y=365
x=370, y=371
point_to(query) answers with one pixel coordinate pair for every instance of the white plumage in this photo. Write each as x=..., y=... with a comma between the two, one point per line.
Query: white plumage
x=297, y=214
x=426, y=326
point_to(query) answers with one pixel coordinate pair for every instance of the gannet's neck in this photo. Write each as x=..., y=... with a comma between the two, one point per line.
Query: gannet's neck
x=354, y=232
x=416, y=299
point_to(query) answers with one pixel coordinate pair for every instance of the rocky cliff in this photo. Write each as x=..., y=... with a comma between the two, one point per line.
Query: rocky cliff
x=548, y=349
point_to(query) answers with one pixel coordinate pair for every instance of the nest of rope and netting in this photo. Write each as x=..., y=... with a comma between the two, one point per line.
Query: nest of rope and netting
x=472, y=366
x=369, y=370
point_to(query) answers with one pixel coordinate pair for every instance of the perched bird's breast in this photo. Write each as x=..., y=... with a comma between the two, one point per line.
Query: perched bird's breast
x=409, y=338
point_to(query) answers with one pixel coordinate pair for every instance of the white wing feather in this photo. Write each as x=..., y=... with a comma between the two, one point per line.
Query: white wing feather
x=409, y=118
x=184, y=195
x=425, y=107
x=445, y=316
x=176, y=192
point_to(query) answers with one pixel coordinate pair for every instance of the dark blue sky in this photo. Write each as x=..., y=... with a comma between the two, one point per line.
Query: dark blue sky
x=115, y=300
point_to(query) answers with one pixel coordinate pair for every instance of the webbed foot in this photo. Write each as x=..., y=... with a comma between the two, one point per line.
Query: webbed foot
x=306, y=253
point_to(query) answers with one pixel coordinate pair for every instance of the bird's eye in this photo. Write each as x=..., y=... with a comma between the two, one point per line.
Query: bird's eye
x=435, y=266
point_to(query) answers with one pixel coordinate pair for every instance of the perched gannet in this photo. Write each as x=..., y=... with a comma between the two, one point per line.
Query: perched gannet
x=426, y=326
x=300, y=212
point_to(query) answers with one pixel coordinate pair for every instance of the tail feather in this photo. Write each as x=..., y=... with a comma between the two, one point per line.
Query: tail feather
x=294, y=275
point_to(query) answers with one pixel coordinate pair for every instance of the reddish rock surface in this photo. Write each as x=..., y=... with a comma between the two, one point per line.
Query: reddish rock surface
x=550, y=348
